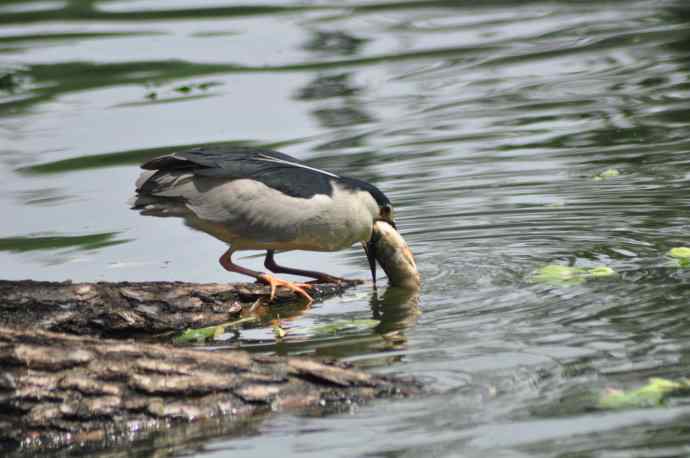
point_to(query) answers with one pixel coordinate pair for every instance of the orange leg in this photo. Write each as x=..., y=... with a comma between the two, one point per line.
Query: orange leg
x=273, y=282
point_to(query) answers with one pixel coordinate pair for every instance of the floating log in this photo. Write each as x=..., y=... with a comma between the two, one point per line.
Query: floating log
x=57, y=389
x=68, y=376
x=133, y=309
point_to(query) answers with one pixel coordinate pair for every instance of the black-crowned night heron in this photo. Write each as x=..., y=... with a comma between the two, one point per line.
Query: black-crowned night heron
x=257, y=199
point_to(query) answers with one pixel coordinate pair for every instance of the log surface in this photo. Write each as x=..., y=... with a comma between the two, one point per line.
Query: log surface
x=132, y=309
x=71, y=375
x=57, y=390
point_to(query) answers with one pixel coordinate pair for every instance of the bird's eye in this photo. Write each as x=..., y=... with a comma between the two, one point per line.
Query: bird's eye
x=387, y=212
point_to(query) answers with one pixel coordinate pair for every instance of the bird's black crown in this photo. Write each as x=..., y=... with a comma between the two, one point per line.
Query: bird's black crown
x=375, y=192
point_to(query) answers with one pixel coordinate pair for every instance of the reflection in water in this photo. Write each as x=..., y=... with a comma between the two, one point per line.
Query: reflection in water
x=341, y=117
x=56, y=242
x=44, y=197
x=123, y=158
x=393, y=312
x=397, y=309
x=345, y=109
x=338, y=104
x=336, y=42
x=328, y=86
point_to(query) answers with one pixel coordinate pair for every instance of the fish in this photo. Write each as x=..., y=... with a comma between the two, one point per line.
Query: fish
x=394, y=256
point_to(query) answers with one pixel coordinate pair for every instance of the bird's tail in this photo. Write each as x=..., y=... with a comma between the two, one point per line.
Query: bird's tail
x=148, y=199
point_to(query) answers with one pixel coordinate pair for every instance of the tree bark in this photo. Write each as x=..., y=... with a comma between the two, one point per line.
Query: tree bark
x=65, y=381
x=133, y=309
x=57, y=390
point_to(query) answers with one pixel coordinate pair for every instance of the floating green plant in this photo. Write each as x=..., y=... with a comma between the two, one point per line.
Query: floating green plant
x=341, y=326
x=652, y=394
x=608, y=173
x=680, y=254
x=200, y=335
x=601, y=271
x=187, y=88
x=566, y=275
x=278, y=330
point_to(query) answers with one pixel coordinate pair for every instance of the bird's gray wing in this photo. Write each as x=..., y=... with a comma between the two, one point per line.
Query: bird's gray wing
x=279, y=171
x=246, y=191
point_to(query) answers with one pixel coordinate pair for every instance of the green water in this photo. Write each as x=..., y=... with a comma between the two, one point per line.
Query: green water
x=486, y=123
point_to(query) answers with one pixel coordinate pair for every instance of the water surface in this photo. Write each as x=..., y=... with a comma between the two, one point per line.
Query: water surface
x=486, y=123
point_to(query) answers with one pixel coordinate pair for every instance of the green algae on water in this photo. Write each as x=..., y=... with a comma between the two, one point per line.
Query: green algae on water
x=653, y=394
x=680, y=254
x=566, y=275
x=341, y=326
x=208, y=333
x=606, y=174
x=601, y=271
x=278, y=330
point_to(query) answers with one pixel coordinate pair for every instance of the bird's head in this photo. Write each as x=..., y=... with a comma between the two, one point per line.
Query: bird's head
x=386, y=214
x=375, y=198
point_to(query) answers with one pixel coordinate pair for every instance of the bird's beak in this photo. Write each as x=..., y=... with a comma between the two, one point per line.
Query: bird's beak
x=370, y=250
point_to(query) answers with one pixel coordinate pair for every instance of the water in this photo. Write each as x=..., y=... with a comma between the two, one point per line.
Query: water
x=485, y=123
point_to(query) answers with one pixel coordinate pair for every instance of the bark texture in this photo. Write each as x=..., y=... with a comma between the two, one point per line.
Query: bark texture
x=132, y=309
x=57, y=390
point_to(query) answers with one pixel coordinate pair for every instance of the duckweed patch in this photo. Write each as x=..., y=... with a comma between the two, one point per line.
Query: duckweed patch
x=606, y=174
x=567, y=275
x=343, y=326
x=653, y=394
x=681, y=255
x=209, y=333
x=278, y=330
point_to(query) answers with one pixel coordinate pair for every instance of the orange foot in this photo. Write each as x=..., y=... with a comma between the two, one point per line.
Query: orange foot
x=297, y=288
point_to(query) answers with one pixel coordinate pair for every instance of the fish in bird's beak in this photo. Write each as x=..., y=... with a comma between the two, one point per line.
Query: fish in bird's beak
x=387, y=247
x=393, y=254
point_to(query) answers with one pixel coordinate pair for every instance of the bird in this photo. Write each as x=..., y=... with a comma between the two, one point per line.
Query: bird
x=260, y=199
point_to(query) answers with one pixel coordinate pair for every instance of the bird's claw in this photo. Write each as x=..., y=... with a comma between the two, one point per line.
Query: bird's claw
x=297, y=288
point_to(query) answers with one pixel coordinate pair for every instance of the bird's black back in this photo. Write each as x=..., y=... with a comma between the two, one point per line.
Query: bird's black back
x=274, y=169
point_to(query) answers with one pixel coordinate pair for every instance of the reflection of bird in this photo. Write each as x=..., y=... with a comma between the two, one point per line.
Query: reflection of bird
x=257, y=199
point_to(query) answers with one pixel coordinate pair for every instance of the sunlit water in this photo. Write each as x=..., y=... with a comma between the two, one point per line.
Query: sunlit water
x=486, y=126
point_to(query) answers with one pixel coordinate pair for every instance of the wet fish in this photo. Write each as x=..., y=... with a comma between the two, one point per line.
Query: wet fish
x=394, y=256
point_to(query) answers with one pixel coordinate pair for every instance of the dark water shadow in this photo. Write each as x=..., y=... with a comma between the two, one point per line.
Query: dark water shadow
x=70, y=36
x=131, y=157
x=52, y=80
x=56, y=242
x=158, y=439
x=90, y=10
